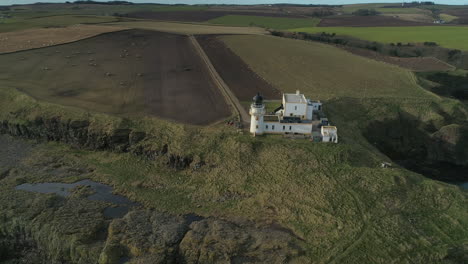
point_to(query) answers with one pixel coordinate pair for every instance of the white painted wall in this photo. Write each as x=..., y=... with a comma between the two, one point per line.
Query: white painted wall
x=276, y=127
x=296, y=109
x=256, y=119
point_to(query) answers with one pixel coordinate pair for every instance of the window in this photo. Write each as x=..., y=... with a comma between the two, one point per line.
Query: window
x=319, y=107
x=256, y=118
x=284, y=127
x=266, y=126
x=290, y=127
x=256, y=126
x=273, y=127
x=295, y=107
x=290, y=114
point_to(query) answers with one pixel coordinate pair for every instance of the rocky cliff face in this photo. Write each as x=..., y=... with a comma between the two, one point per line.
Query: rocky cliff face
x=79, y=134
x=438, y=153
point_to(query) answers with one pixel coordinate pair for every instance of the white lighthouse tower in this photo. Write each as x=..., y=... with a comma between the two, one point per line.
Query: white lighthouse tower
x=257, y=111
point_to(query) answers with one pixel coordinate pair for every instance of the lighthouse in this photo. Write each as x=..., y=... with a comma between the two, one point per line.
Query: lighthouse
x=257, y=111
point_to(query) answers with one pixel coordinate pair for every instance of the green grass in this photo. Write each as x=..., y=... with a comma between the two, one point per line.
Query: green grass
x=321, y=71
x=266, y=22
x=453, y=37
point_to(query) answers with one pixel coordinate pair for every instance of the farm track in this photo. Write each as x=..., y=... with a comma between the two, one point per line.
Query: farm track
x=228, y=94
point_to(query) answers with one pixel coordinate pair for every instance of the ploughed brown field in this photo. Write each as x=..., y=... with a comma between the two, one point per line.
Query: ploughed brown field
x=128, y=73
x=367, y=21
x=198, y=16
x=243, y=82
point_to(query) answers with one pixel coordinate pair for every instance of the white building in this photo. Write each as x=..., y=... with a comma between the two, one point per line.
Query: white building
x=296, y=115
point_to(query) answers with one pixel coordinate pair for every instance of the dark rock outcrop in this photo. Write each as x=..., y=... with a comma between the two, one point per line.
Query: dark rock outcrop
x=440, y=154
x=79, y=133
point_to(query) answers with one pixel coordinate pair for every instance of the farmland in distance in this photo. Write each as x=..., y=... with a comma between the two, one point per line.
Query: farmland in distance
x=321, y=71
x=454, y=37
x=266, y=22
x=126, y=73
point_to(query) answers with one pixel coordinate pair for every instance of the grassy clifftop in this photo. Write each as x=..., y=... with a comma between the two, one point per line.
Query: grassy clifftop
x=334, y=197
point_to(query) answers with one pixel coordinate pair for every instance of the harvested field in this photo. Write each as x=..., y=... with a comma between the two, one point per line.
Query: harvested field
x=420, y=64
x=199, y=15
x=186, y=28
x=322, y=71
x=242, y=81
x=367, y=21
x=39, y=38
x=133, y=72
x=265, y=22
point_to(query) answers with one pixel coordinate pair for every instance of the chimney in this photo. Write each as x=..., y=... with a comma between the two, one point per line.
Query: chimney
x=297, y=92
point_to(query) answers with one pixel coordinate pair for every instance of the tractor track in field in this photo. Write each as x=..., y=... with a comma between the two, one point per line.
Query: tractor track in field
x=334, y=257
x=240, y=111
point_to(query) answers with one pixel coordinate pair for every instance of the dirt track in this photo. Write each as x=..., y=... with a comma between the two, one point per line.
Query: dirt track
x=243, y=82
x=127, y=73
x=367, y=21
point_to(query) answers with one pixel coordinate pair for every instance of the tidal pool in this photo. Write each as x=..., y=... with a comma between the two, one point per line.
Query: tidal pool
x=102, y=192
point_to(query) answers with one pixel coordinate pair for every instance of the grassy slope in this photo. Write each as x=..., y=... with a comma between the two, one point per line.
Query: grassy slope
x=313, y=68
x=266, y=22
x=333, y=196
x=447, y=36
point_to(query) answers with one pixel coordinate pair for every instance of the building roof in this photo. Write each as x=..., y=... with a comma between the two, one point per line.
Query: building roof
x=295, y=98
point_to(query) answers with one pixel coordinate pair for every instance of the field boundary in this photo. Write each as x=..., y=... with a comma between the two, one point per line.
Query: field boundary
x=65, y=43
x=227, y=93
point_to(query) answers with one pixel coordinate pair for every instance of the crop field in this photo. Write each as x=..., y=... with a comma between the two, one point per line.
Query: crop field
x=126, y=73
x=366, y=21
x=243, y=82
x=53, y=21
x=321, y=71
x=43, y=37
x=454, y=37
x=189, y=28
x=265, y=22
